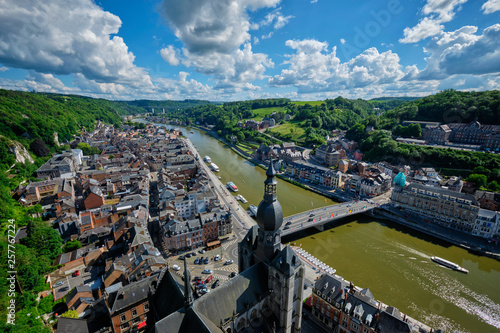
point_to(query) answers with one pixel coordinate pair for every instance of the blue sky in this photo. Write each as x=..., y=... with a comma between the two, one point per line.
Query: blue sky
x=245, y=49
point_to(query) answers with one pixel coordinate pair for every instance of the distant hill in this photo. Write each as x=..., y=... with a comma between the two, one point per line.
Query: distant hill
x=148, y=105
x=450, y=106
x=404, y=98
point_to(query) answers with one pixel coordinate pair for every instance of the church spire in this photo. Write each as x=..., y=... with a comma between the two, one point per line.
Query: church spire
x=270, y=183
x=188, y=293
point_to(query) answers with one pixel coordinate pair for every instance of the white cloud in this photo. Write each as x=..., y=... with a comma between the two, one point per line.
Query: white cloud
x=65, y=37
x=314, y=1
x=277, y=17
x=491, y=6
x=342, y=40
x=439, y=11
x=313, y=68
x=479, y=55
x=170, y=55
x=3, y=69
x=216, y=38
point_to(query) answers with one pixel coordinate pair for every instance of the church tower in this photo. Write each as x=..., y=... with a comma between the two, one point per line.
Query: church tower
x=284, y=269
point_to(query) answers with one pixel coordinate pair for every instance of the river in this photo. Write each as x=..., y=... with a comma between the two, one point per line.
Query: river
x=391, y=260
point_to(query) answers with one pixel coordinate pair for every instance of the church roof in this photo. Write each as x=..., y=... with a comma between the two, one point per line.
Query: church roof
x=220, y=304
x=286, y=261
x=235, y=295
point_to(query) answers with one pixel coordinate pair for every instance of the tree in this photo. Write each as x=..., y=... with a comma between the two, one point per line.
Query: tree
x=477, y=179
x=494, y=186
x=38, y=147
x=70, y=314
x=72, y=245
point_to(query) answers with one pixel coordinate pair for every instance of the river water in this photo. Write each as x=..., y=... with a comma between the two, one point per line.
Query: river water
x=391, y=260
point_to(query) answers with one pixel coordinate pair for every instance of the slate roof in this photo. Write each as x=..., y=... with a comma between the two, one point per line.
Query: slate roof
x=235, y=296
x=134, y=293
x=72, y=325
x=286, y=261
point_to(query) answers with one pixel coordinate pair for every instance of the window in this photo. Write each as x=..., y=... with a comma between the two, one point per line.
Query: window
x=146, y=306
x=134, y=312
x=136, y=320
x=123, y=318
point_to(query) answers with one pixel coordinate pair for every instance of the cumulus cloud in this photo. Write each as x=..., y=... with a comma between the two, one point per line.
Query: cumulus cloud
x=170, y=55
x=215, y=37
x=314, y=68
x=3, y=69
x=439, y=11
x=477, y=55
x=65, y=37
x=491, y=6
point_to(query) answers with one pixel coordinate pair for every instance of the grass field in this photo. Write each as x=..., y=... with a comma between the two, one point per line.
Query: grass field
x=312, y=103
x=261, y=113
x=247, y=147
x=294, y=128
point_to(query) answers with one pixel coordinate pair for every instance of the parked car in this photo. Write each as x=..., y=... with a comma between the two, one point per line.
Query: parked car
x=193, y=254
x=215, y=284
x=206, y=261
x=176, y=268
x=197, y=261
x=288, y=223
x=197, y=278
x=207, y=271
x=64, y=289
x=76, y=273
x=188, y=255
x=311, y=215
x=286, y=227
x=60, y=283
x=181, y=258
x=201, y=286
x=217, y=257
x=204, y=291
x=202, y=251
x=209, y=279
x=232, y=275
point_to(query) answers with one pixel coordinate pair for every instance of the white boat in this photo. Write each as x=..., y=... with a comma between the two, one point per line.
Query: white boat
x=214, y=167
x=207, y=159
x=241, y=198
x=449, y=264
x=253, y=210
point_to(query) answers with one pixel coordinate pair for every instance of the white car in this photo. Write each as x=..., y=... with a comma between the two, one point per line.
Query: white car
x=176, y=268
x=207, y=271
x=228, y=262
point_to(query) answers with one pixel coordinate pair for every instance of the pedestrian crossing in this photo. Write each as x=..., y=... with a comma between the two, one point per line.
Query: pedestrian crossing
x=228, y=244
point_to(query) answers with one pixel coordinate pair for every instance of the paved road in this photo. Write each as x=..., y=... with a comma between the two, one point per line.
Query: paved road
x=239, y=214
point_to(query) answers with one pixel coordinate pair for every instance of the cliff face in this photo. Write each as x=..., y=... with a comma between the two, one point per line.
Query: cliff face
x=20, y=152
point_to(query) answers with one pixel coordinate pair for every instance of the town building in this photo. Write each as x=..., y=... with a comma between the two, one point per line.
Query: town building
x=344, y=308
x=437, y=205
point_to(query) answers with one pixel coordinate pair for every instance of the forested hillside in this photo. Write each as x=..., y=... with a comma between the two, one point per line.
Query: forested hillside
x=449, y=106
x=169, y=106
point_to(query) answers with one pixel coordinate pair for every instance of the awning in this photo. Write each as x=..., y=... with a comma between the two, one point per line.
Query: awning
x=141, y=325
x=213, y=243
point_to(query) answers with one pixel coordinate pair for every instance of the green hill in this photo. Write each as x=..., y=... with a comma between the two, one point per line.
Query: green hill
x=449, y=106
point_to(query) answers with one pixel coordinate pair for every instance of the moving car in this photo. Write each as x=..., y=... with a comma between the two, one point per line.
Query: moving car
x=228, y=262
x=176, y=268
x=207, y=271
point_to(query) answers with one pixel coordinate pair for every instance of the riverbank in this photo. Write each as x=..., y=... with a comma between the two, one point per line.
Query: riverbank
x=472, y=244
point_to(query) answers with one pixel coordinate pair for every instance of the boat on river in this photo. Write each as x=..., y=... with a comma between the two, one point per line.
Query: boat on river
x=253, y=210
x=232, y=187
x=207, y=159
x=241, y=198
x=214, y=167
x=449, y=264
